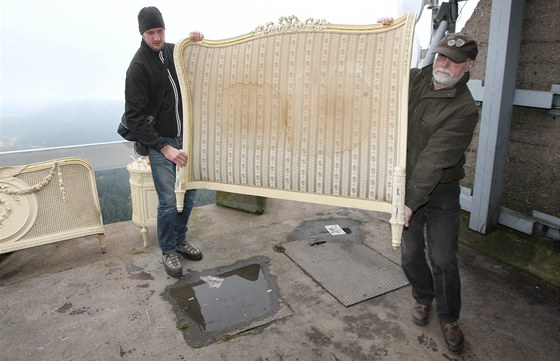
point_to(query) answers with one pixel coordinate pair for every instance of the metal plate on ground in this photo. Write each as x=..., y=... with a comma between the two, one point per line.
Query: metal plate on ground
x=349, y=270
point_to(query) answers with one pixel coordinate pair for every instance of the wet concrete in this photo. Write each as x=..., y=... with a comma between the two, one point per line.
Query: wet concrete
x=317, y=230
x=68, y=301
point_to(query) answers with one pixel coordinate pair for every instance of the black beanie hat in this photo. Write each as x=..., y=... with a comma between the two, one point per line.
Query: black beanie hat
x=149, y=18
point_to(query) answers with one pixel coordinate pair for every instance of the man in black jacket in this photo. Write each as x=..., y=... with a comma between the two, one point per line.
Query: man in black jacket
x=152, y=90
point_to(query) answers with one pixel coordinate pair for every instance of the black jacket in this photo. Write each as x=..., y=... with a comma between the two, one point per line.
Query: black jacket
x=440, y=128
x=152, y=88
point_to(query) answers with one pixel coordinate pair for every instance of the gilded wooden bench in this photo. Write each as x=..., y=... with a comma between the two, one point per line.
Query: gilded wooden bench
x=307, y=111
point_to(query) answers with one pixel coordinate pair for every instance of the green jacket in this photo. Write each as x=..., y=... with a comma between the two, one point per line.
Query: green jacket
x=440, y=128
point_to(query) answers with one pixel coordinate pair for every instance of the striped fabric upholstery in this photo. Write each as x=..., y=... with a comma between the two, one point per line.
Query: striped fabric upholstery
x=305, y=111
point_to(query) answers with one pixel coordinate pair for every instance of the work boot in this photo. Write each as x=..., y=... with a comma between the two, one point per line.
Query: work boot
x=420, y=314
x=189, y=252
x=453, y=336
x=172, y=264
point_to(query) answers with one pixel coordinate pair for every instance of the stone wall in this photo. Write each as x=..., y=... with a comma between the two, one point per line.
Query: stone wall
x=532, y=172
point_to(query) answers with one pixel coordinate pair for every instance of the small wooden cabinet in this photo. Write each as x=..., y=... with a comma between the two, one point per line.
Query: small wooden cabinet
x=143, y=196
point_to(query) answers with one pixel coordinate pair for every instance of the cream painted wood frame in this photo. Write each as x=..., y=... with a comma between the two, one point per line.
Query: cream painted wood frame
x=305, y=111
x=48, y=202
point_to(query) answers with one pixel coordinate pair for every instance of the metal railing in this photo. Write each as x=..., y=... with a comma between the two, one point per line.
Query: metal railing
x=102, y=156
x=115, y=155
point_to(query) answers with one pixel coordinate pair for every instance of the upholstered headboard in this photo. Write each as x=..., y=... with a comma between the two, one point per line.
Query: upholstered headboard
x=306, y=111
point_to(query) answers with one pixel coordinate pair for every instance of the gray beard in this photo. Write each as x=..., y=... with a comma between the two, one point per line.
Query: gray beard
x=446, y=80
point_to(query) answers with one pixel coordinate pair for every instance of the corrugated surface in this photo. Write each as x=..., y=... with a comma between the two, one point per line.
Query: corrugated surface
x=350, y=271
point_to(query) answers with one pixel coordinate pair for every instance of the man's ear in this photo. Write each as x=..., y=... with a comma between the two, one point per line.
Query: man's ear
x=470, y=64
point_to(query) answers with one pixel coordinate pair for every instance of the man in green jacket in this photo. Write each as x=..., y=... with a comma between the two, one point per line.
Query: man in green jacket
x=442, y=117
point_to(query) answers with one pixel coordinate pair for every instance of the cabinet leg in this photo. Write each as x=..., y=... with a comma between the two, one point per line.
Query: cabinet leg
x=144, y=231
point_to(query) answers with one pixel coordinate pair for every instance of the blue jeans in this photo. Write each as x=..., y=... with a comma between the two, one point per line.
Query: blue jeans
x=440, y=216
x=171, y=225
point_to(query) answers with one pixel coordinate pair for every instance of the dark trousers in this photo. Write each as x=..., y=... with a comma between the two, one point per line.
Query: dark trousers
x=435, y=225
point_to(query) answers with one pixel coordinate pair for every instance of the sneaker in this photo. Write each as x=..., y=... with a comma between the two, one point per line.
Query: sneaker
x=420, y=314
x=172, y=264
x=189, y=252
x=453, y=336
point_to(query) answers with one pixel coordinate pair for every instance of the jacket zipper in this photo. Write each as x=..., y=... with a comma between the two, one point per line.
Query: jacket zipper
x=176, y=94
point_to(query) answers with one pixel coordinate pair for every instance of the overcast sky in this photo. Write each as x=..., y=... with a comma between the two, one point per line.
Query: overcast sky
x=59, y=50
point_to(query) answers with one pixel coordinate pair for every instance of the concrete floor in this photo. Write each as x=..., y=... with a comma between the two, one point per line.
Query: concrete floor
x=68, y=301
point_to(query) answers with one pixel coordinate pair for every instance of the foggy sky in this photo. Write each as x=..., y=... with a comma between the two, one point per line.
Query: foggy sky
x=60, y=50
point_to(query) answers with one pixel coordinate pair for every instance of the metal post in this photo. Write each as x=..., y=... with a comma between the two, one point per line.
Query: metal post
x=501, y=70
x=444, y=17
x=439, y=34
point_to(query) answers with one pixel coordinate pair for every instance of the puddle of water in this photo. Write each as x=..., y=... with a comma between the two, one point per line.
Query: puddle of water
x=243, y=296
